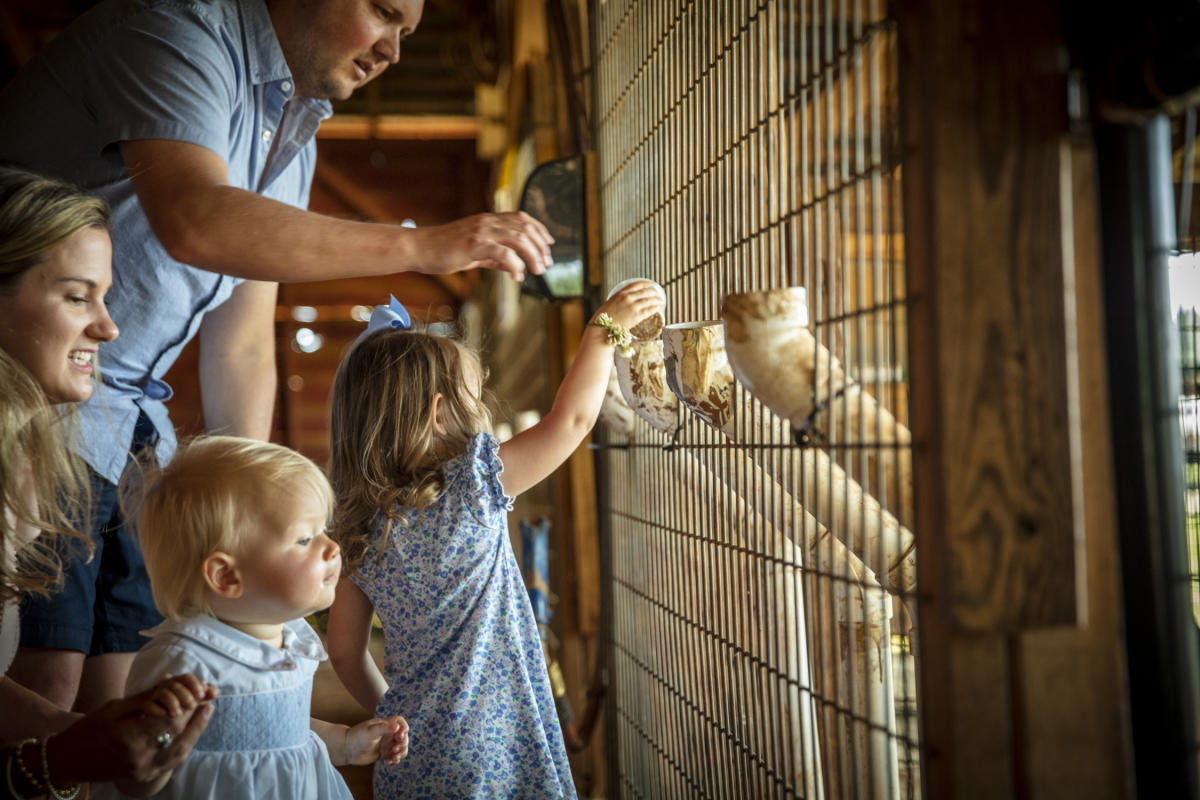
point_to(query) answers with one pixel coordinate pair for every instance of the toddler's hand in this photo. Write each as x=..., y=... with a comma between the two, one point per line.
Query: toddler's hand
x=632, y=304
x=377, y=739
x=174, y=696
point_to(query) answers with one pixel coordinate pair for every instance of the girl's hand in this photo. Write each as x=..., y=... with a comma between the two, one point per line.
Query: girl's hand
x=632, y=304
x=377, y=739
x=174, y=696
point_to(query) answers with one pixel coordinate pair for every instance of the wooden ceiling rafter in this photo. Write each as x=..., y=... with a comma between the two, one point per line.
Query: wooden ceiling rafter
x=399, y=126
x=368, y=206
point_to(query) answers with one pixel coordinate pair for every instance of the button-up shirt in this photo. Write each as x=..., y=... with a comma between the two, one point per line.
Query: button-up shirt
x=206, y=72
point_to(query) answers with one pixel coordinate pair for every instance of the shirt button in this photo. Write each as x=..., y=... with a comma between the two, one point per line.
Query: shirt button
x=266, y=136
x=286, y=86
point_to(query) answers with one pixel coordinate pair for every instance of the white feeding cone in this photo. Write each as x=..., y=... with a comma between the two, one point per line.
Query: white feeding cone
x=775, y=355
x=643, y=383
x=698, y=372
x=615, y=413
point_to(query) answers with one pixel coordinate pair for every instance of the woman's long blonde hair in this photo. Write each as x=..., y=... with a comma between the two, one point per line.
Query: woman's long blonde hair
x=385, y=453
x=42, y=482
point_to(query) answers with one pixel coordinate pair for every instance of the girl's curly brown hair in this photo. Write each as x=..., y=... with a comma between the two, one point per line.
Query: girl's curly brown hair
x=385, y=452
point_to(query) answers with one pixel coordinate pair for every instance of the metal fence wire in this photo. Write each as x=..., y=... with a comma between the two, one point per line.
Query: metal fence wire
x=1185, y=305
x=759, y=518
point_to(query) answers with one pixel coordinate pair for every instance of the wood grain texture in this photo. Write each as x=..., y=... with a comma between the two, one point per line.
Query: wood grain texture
x=1075, y=695
x=984, y=140
x=988, y=226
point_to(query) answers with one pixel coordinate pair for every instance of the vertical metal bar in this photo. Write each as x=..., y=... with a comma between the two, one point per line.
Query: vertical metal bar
x=1136, y=224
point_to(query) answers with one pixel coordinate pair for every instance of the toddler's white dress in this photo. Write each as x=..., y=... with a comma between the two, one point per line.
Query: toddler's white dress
x=258, y=744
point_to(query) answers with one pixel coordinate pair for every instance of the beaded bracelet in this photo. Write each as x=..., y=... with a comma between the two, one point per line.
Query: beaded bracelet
x=12, y=789
x=618, y=335
x=55, y=794
x=34, y=782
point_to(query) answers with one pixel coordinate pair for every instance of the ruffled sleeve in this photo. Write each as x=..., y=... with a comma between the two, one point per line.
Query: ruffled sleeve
x=477, y=472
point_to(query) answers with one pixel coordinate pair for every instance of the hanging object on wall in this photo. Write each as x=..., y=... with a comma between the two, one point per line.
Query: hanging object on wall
x=553, y=195
x=775, y=355
x=615, y=413
x=698, y=372
x=643, y=381
x=641, y=374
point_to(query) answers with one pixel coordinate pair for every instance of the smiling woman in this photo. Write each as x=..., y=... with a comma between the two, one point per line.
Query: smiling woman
x=53, y=314
x=54, y=271
x=50, y=328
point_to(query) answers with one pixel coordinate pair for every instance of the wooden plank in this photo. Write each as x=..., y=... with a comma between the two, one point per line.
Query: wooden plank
x=581, y=478
x=1075, y=696
x=399, y=126
x=366, y=203
x=988, y=231
x=984, y=134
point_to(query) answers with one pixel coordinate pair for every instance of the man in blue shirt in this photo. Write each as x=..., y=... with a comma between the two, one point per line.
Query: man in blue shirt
x=195, y=120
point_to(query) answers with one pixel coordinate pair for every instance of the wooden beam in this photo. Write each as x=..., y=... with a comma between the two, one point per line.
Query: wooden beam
x=581, y=478
x=1018, y=698
x=983, y=195
x=399, y=126
x=366, y=204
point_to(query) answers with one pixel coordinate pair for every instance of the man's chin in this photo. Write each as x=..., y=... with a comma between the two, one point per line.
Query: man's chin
x=332, y=89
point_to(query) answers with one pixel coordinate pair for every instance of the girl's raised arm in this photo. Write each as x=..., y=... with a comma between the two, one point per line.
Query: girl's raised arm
x=533, y=454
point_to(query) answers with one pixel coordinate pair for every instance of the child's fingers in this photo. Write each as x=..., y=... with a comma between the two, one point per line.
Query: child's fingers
x=194, y=685
x=394, y=745
x=402, y=743
x=168, y=701
x=152, y=709
x=394, y=748
x=177, y=697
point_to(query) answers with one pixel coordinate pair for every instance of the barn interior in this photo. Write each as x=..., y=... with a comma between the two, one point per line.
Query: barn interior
x=903, y=499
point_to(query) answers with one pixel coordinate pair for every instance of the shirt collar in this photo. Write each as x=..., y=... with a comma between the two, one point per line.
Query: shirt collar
x=299, y=641
x=264, y=57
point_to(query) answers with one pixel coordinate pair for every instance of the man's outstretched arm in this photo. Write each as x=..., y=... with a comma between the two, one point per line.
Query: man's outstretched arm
x=203, y=221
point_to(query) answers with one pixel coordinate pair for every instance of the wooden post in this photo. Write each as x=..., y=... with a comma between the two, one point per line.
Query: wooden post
x=1014, y=483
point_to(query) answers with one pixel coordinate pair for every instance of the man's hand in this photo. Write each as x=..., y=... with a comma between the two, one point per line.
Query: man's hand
x=512, y=242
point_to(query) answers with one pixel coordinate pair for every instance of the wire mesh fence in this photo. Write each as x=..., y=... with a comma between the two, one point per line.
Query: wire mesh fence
x=1184, y=282
x=759, y=506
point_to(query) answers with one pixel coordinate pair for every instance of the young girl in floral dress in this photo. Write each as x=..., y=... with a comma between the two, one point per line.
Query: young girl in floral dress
x=423, y=488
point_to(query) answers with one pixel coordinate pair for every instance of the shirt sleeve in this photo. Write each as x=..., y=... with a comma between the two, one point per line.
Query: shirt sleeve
x=167, y=73
x=160, y=658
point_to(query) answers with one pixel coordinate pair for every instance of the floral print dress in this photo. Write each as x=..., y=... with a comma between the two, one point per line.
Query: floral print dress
x=463, y=661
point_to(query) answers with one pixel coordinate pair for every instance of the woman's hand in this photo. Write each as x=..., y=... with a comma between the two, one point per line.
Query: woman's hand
x=119, y=742
x=383, y=739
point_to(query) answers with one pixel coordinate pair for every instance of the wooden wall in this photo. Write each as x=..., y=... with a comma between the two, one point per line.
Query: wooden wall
x=1020, y=650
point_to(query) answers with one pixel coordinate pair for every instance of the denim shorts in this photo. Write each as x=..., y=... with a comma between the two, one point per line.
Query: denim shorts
x=103, y=603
